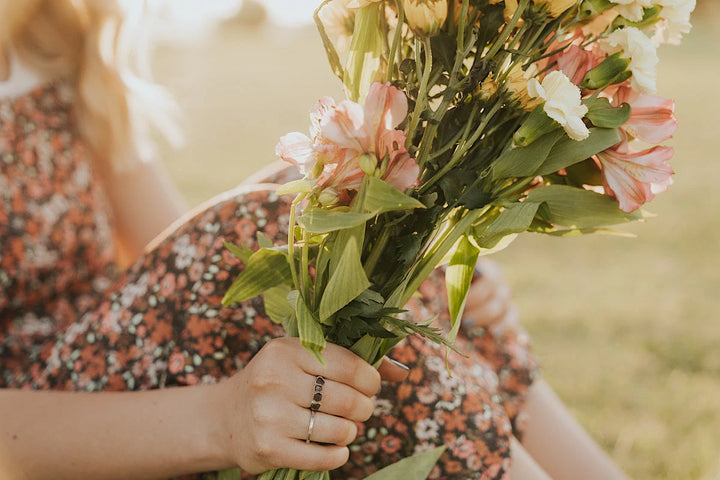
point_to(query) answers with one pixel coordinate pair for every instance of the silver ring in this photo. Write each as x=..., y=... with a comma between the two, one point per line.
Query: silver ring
x=311, y=426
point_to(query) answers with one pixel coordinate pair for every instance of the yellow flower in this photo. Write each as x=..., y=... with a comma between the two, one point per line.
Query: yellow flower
x=556, y=7
x=517, y=82
x=488, y=88
x=425, y=17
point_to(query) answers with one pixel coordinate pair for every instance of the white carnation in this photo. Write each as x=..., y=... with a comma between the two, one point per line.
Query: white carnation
x=562, y=103
x=633, y=10
x=674, y=21
x=642, y=53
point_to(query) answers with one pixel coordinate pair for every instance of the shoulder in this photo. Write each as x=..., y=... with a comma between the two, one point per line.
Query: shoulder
x=22, y=79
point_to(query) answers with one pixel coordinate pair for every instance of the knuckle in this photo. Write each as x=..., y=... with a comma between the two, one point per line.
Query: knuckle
x=350, y=434
x=349, y=407
x=260, y=413
x=265, y=451
x=336, y=460
x=376, y=381
x=366, y=410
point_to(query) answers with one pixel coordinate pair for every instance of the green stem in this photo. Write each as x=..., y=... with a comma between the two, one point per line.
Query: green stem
x=462, y=149
x=305, y=266
x=396, y=42
x=377, y=250
x=507, y=30
x=434, y=255
x=291, y=240
x=421, y=102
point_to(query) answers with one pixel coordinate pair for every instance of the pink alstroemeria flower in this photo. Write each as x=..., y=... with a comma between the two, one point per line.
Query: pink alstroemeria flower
x=634, y=178
x=652, y=119
x=575, y=61
x=343, y=133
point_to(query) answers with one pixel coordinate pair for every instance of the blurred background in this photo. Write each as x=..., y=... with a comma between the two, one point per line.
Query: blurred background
x=627, y=330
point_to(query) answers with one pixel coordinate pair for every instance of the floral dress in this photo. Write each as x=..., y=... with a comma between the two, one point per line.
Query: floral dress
x=70, y=321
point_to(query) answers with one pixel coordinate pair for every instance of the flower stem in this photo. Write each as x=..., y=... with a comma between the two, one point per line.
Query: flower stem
x=421, y=102
x=395, y=42
x=462, y=149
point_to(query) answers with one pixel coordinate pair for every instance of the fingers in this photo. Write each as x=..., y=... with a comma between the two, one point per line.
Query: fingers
x=336, y=398
x=341, y=365
x=393, y=371
x=326, y=428
x=314, y=457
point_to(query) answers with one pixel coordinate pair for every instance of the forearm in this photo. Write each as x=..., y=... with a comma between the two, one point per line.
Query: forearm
x=144, y=201
x=559, y=444
x=524, y=466
x=152, y=434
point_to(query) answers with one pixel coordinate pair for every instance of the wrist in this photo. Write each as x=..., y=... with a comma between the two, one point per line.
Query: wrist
x=217, y=430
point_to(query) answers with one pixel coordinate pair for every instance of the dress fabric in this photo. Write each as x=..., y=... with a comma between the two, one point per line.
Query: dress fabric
x=70, y=321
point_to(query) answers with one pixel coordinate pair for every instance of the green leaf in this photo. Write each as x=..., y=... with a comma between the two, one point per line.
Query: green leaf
x=567, y=152
x=304, y=185
x=417, y=467
x=579, y=208
x=310, y=330
x=318, y=220
x=367, y=348
x=458, y=277
x=524, y=161
x=602, y=114
x=263, y=241
x=382, y=197
x=576, y=232
x=229, y=474
x=277, y=306
x=514, y=219
x=265, y=269
x=240, y=251
x=535, y=126
x=347, y=281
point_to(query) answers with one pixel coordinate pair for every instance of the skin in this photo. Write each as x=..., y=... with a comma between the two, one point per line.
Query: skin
x=258, y=420
x=554, y=444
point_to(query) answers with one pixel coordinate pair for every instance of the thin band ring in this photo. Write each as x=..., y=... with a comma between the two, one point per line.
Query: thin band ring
x=311, y=426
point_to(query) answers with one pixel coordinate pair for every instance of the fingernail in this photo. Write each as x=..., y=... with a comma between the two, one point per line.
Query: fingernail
x=395, y=362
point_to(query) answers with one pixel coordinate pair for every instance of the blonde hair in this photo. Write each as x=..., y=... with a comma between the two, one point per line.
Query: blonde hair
x=97, y=45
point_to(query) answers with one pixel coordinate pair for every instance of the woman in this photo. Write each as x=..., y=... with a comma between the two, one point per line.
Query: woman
x=72, y=184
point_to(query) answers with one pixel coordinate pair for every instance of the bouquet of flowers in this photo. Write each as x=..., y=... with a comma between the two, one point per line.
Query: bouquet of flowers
x=467, y=122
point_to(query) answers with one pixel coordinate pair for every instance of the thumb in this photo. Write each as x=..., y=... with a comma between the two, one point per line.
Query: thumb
x=392, y=370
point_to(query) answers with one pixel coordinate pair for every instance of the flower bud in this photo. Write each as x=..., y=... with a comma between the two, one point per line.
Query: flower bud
x=328, y=197
x=517, y=81
x=425, y=17
x=488, y=88
x=614, y=69
x=368, y=163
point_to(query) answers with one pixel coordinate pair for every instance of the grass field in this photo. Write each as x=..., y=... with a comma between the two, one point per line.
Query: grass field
x=628, y=330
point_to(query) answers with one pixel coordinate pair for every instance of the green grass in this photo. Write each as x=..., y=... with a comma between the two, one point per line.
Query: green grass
x=627, y=329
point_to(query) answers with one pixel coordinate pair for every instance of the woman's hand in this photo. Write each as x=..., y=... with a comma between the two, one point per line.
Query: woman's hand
x=489, y=303
x=268, y=418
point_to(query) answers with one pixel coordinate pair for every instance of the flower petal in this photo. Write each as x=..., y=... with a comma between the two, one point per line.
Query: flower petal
x=630, y=176
x=343, y=126
x=297, y=149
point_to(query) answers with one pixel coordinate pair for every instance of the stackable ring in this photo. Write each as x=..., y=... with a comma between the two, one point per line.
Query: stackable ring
x=317, y=393
x=311, y=425
x=315, y=404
